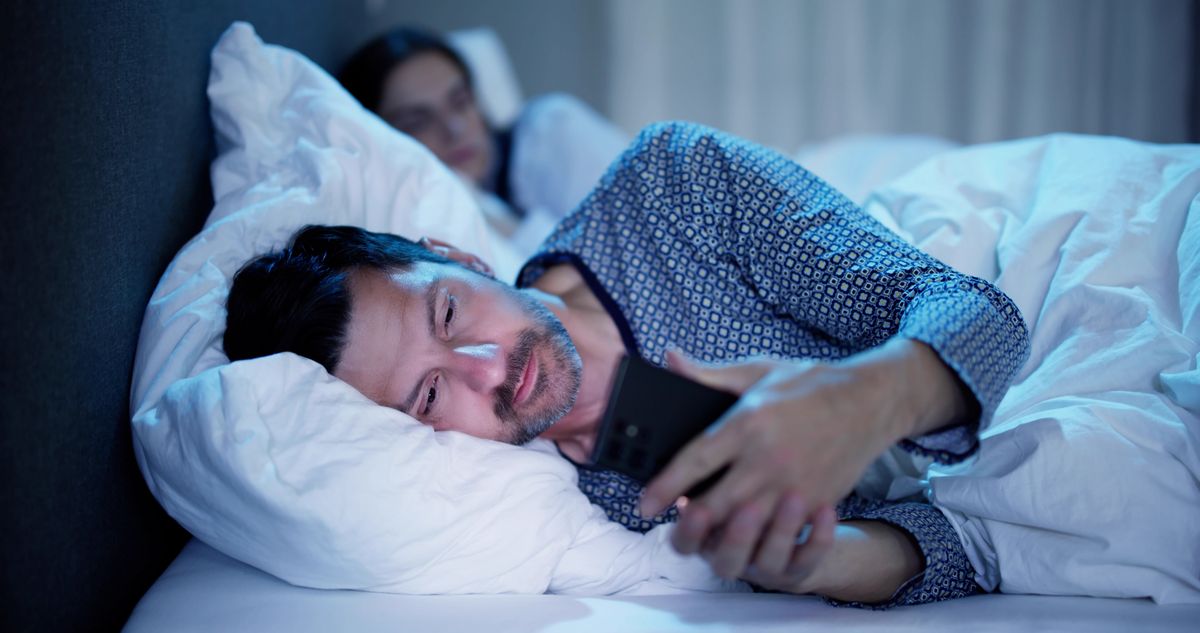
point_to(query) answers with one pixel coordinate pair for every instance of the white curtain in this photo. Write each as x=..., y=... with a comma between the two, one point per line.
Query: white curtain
x=785, y=72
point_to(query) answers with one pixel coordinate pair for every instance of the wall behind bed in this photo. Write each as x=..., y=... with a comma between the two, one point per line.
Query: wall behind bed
x=107, y=143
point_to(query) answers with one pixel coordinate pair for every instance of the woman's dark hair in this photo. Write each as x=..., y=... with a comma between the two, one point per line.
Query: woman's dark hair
x=297, y=300
x=364, y=74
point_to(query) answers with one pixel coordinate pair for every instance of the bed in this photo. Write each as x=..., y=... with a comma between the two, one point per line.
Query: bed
x=204, y=590
x=121, y=550
x=272, y=463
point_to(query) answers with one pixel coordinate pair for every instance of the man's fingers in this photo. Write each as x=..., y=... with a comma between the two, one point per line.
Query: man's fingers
x=691, y=529
x=820, y=540
x=700, y=458
x=739, y=538
x=775, y=551
x=719, y=504
x=735, y=378
x=716, y=447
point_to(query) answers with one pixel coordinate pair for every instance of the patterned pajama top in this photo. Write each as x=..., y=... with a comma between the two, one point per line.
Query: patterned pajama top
x=698, y=240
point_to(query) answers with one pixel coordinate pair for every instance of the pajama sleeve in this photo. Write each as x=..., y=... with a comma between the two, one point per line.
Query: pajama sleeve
x=947, y=573
x=809, y=252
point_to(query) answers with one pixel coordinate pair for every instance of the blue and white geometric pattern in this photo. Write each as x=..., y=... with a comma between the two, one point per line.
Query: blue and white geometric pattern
x=698, y=240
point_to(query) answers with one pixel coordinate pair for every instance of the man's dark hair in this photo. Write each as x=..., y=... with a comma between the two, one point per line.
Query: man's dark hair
x=364, y=73
x=297, y=299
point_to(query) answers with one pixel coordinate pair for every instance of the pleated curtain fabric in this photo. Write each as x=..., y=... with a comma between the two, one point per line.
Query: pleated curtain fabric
x=786, y=72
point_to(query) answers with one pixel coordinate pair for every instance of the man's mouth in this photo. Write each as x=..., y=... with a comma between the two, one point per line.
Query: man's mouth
x=528, y=379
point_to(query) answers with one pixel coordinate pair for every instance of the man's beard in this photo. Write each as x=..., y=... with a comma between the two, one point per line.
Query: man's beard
x=558, y=379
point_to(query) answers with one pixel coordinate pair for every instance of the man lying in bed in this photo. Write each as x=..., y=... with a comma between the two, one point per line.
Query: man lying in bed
x=841, y=338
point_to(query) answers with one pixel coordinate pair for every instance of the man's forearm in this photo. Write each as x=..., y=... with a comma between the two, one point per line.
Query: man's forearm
x=928, y=395
x=869, y=561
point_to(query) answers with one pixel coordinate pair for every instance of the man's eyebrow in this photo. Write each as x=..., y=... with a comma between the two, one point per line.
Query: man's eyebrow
x=431, y=294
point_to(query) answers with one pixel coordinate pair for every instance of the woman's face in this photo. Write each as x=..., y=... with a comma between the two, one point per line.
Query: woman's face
x=428, y=98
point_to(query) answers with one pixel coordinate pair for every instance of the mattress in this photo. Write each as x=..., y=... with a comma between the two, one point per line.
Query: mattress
x=204, y=590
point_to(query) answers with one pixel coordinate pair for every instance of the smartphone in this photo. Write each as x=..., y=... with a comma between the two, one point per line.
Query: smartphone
x=651, y=414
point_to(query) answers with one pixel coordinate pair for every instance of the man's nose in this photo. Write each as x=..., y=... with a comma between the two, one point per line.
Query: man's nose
x=482, y=366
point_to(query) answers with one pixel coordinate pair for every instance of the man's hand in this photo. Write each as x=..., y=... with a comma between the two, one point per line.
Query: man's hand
x=796, y=442
x=862, y=561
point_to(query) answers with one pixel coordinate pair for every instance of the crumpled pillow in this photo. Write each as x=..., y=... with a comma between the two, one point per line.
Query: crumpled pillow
x=278, y=464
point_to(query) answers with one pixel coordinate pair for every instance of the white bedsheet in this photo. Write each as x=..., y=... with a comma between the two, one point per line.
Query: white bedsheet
x=1088, y=480
x=204, y=590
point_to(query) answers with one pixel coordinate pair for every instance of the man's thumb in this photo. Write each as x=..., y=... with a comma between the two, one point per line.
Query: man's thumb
x=732, y=378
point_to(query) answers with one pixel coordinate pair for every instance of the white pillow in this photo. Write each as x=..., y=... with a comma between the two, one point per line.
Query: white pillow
x=496, y=85
x=278, y=464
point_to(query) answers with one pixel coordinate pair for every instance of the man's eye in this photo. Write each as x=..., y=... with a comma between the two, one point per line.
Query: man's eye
x=430, y=397
x=449, y=313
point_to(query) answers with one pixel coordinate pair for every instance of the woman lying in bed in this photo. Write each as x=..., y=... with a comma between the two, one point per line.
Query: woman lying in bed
x=841, y=338
x=529, y=174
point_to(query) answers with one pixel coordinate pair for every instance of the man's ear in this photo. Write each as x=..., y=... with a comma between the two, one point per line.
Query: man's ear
x=452, y=252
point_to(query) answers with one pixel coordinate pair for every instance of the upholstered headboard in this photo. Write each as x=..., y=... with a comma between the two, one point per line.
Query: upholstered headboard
x=107, y=143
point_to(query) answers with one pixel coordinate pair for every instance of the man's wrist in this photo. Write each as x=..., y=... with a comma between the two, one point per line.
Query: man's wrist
x=924, y=394
x=868, y=563
x=938, y=395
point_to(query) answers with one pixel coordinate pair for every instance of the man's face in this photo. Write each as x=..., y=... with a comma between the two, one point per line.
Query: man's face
x=459, y=351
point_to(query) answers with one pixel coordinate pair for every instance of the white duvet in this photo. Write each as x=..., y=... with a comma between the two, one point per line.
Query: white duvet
x=1088, y=480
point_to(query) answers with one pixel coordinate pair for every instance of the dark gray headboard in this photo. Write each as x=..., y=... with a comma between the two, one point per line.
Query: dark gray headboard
x=107, y=143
